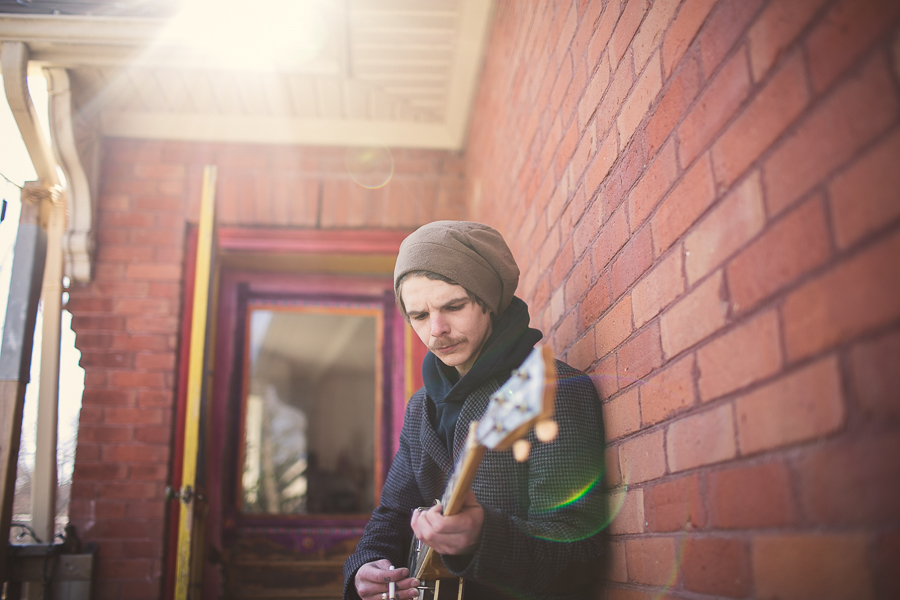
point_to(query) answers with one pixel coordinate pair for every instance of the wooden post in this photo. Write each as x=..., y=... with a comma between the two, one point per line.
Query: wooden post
x=18, y=339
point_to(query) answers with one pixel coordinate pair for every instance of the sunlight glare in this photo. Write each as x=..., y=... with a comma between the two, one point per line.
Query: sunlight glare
x=276, y=33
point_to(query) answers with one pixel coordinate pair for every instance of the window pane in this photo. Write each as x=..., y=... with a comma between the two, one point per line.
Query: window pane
x=309, y=415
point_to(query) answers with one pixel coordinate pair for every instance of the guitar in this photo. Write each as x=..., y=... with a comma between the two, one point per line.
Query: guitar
x=525, y=399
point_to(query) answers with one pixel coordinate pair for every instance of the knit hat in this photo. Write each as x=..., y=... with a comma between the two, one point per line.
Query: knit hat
x=471, y=254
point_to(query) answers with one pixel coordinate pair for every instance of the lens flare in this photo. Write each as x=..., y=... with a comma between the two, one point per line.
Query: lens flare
x=371, y=168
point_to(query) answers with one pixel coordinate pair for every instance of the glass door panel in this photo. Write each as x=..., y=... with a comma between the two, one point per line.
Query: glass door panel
x=312, y=393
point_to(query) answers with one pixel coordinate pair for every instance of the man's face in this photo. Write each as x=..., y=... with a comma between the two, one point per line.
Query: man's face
x=453, y=326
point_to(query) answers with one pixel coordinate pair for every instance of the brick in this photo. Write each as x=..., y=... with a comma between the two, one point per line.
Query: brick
x=593, y=93
x=136, y=379
x=681, y=91
x=859, y=109
x=717, y=566
x=804, y=405
x=127, y=491
x=584, y=152
x=153, y=271
x=635, y=108
x=652, y=186
x=587, y=24
x=625, y=29
x=140, y=306
x=101, y=471
x=686, y=202
x=675, y=505
x=774, y=108
x=734, y=221
x=115, y=360
x=617, y=569
x=642, y=458
x=649, y=36
x=701, y=439
x=639, y=356
x=847, y=31
x=696, y=316
x=620, y=85
x=152, y=324
x=789, y=248
x=626, y=508
x=668, y=392
x=624, y=175
x=682, y=31
x=604, y=30
x=851, y=483
x=865, y=197
x=652, y=561
x=811, y=566
x=751, y=497
x=151, y=434
x=632, y=261
x=614, y=327
x=134, y=453
x=621, y=415
x=774, y=31
x=743, y=356
x=874, y=376
x=124, y=253
x=856, y=296
x=597, y=171
x=581, y=355
x=104, y=434
x=139, y=342
x=658, y=288
x=605, y=377
x=613, y=476
x=719, y=101
x=612, y=236
x=595, y=303
x=723, y=29
x=566, y=332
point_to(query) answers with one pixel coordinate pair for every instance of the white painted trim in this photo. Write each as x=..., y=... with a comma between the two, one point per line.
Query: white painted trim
x=277, y=130
x=475, y=19
x=77, y=241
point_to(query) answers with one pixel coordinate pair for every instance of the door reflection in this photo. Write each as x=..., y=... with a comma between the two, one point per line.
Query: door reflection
x=309, y=412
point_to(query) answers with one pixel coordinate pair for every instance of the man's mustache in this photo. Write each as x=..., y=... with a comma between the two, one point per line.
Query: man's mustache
x=446, y=343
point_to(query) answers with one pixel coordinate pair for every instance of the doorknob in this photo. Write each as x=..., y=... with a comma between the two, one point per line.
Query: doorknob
x=185, y=494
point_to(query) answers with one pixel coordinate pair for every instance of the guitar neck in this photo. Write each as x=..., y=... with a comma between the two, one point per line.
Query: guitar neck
x=461, y=481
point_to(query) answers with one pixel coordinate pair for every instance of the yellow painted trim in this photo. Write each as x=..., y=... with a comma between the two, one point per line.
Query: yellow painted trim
x=202, y=279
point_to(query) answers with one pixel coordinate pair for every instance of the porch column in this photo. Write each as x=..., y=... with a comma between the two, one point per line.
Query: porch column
x=18, y=338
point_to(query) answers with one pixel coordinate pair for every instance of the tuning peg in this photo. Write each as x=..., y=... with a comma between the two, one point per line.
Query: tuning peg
x=546, y=430
x=521, y=450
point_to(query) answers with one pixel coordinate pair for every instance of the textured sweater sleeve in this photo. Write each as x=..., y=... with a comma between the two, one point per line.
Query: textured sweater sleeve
x=552, y=546
x=388, y=534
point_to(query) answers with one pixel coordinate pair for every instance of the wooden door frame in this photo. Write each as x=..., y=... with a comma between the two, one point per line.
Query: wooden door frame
x=288, y=250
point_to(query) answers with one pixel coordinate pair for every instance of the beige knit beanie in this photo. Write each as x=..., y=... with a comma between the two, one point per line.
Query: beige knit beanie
x=473, y=255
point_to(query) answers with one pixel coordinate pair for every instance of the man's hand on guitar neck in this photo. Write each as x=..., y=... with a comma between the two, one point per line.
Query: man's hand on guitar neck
x=454, y=535
x=373, y=580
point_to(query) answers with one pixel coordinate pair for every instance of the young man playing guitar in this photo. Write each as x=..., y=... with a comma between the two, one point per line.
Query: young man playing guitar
x=526, y=529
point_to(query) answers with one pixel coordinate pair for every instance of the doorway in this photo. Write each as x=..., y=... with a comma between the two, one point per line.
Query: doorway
x=310, y=375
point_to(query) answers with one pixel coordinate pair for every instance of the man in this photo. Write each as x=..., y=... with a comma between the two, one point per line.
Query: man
x=528, y=530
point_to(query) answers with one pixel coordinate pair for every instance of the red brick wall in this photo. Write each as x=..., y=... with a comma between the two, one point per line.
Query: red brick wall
x=126, y=320
x=703, y=196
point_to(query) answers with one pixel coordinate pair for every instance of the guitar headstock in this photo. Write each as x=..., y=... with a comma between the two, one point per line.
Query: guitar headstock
x=525, y=399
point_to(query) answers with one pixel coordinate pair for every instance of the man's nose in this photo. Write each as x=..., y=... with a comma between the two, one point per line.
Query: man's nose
x=439, y=326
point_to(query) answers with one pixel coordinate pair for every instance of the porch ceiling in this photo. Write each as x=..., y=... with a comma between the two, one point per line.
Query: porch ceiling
x=386, y=72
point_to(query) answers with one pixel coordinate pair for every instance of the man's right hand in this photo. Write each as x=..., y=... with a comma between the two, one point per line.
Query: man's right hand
x=373, y=578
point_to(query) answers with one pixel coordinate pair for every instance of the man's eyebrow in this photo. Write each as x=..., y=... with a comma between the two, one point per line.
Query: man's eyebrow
x=444, y=305
x=454, y=301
